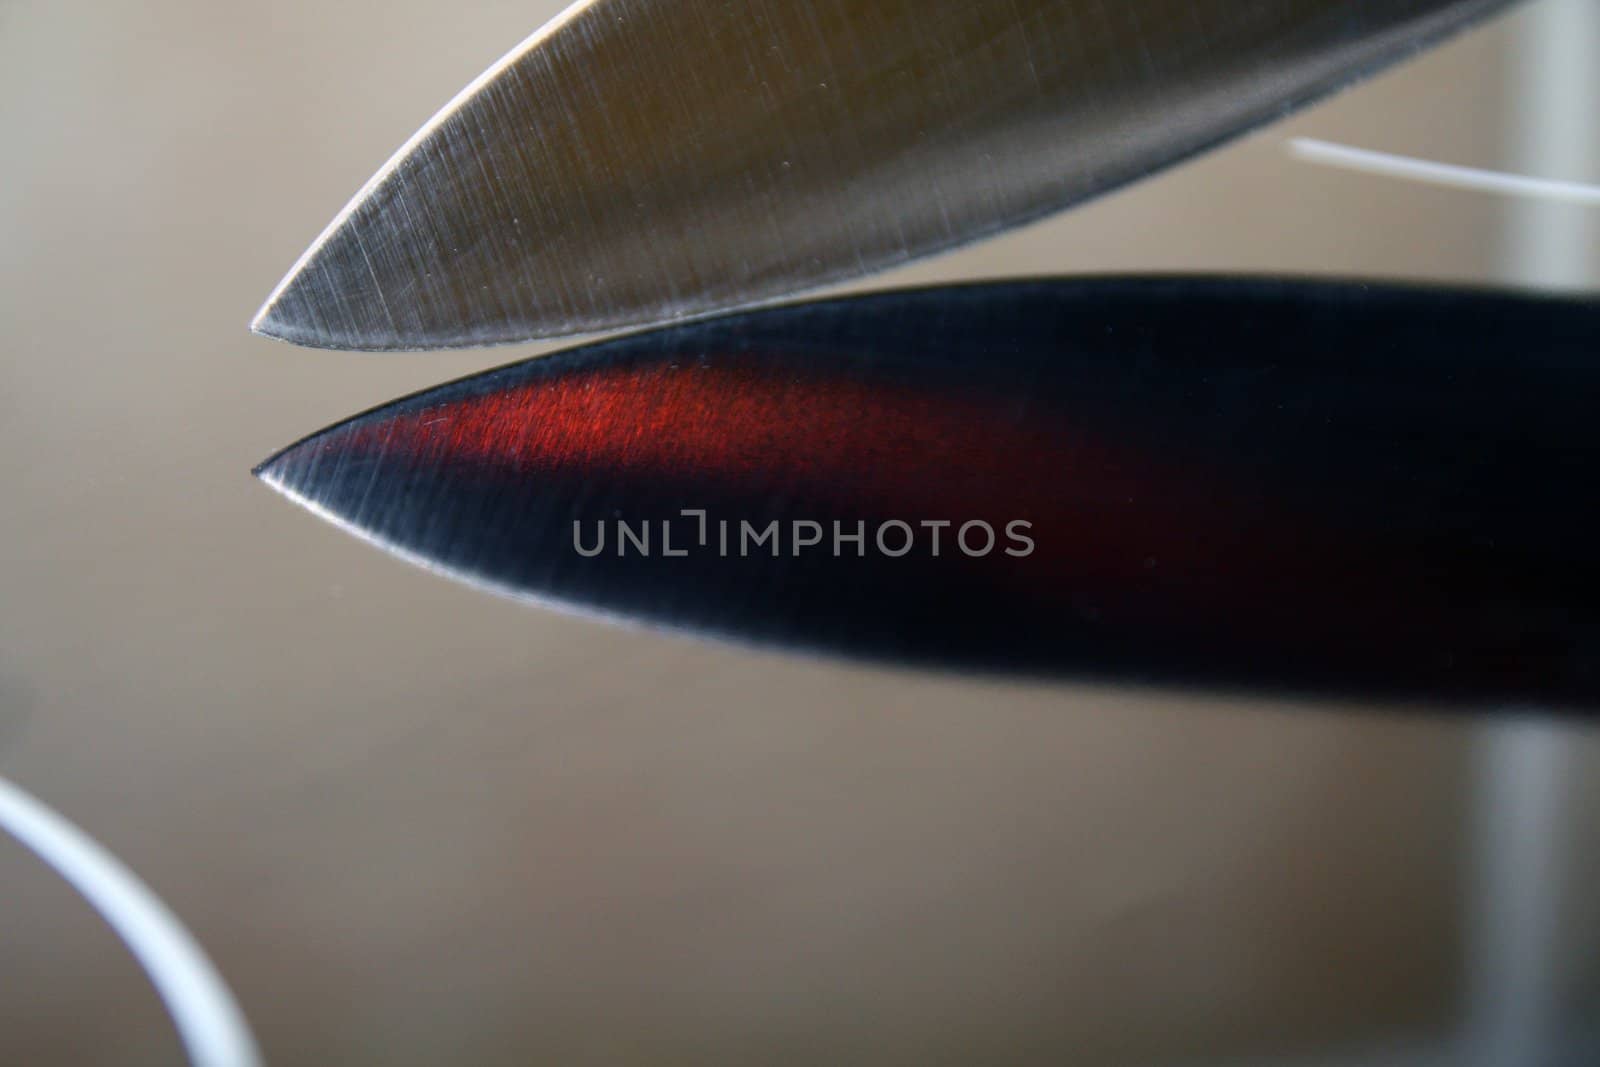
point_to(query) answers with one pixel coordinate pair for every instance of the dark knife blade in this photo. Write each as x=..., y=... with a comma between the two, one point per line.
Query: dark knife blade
x=640, y=161
x=1339, y=488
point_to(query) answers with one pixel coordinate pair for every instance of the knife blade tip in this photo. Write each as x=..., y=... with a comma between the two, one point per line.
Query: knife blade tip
x=290, y=316
x=332, y=298
x=264, y=323
x=270, y=470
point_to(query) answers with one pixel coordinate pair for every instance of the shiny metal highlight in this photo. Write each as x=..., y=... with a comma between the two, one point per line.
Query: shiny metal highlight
x=641, y=161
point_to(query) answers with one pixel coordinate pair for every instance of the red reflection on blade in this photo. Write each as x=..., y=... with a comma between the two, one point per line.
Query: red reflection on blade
x=1175, y=543
x=869, y=447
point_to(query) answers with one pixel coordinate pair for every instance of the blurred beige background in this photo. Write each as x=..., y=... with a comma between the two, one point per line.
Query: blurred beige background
x=414, y=824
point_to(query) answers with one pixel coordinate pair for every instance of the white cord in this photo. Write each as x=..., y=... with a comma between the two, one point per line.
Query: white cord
x=1448, y=174
x=212, y=1027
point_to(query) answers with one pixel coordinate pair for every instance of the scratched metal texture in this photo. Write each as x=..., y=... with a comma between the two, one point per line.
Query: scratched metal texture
x=639, y=161
x=1347, y=489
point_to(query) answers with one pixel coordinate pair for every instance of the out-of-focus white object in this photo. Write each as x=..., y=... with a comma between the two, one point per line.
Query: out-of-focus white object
x=1514, y=1013
x=1390, y=165
x=209, y=1021
x=1524, y=794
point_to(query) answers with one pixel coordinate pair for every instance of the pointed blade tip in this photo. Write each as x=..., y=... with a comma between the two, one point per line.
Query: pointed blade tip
x=275, y=469
x=270, y=471
x=300, y=312
x=264, y=323
x=272, y=323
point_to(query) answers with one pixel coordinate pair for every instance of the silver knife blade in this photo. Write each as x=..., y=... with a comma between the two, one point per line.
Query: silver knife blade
x=640, y=161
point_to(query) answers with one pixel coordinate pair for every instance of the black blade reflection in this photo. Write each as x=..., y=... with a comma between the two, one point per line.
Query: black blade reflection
x=1344, y=489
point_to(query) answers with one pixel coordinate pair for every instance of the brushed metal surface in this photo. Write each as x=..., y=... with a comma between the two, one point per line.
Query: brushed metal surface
x=639, y=161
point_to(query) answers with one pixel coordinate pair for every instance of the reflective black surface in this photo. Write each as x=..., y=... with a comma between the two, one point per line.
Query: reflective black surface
x=1333, y=488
